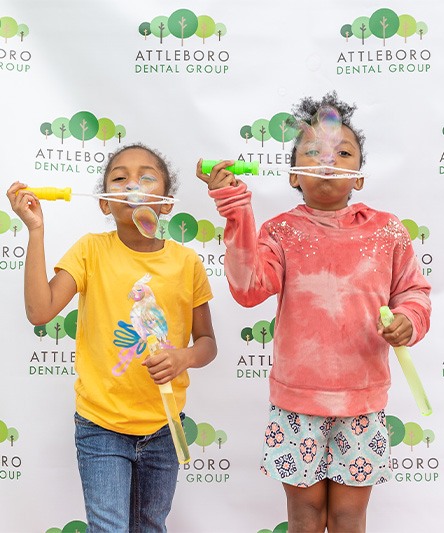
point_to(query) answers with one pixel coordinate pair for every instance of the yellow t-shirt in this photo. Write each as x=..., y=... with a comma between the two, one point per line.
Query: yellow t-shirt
x=115, y=395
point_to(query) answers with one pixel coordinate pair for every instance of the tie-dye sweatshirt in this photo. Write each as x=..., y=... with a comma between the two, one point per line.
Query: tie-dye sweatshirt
x=331, y=272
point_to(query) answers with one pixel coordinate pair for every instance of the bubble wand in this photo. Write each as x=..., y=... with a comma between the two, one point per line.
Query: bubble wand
x=55, y=193
x=149, y=321
x=253, y=167
x=144, y=218
x=408, y=367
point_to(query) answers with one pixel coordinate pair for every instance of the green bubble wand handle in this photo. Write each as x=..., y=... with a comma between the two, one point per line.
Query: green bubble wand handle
x=408, y=367
x=172, y=414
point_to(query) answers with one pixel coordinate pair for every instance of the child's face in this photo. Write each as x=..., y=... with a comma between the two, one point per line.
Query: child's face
x=323, y=193
x=125, y=176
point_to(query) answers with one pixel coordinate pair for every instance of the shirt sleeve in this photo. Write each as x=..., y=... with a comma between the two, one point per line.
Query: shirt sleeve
x=410, y=290
x=202, y=289
x=253, y=262
x=74, y=262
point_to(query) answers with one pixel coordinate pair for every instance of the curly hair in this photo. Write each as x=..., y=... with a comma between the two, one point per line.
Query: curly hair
x=170, y=176
x=307, y=109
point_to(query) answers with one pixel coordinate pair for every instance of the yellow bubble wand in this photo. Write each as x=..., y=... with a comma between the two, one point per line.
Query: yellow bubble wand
x=405, y=360
x=56, y=193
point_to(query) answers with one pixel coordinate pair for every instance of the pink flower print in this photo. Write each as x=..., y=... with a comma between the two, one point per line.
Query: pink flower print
x=342, y=443
x=360, y=469
x=327, y=425
x=274, y=435
x=285, y=465
x=294, y=421
x=360, y=424
x=321, y=471
x=378, y=444
x=382, y=418
x=302, y=485
x=308, y=449
x=264, y=471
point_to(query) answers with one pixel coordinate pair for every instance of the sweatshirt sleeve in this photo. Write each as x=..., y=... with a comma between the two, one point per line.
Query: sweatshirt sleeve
x=254, y=263
x=410, y=290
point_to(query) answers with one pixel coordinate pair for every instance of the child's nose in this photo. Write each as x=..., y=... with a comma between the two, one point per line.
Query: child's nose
x=327, y=157
x=132, y=185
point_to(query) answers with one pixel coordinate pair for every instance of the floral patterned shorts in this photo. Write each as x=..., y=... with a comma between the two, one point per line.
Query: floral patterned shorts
x=302, y=449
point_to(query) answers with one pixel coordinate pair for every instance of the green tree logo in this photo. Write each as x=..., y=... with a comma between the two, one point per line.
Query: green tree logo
x=262, y=332
x=280, y=128
x=384, y=24
x=409, y=433
x=10, y=435
x=280, y=528
x=10, y=28
x=76, y=526
x=416, y=232
x=183, y=228
x=59, y=327
x=9, y=224
x=203, y=434
x=83, y=126
x=183, y=24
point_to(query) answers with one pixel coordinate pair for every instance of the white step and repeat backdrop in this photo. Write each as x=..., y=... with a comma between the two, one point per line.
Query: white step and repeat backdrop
x=216, y=89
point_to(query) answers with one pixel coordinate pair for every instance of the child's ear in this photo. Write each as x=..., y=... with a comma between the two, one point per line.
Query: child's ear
x=104, y=206
x=359, y=184
x=166, y=208
x=294, y=180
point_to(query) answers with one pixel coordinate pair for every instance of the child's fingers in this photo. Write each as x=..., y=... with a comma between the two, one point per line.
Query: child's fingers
x=200, y=174
x=219, y=177
x=14, y=188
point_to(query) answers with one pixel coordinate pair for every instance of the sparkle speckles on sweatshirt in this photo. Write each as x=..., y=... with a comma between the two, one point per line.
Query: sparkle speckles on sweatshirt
x=331, y=271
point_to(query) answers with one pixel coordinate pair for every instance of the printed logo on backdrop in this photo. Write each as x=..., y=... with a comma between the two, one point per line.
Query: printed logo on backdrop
x=256, y=363
x=12, y=255
x=272, y=133
x=441, y=159
x=14, y=55
x=414, y=460
x=182, y=43
x=49, y=358
x=79, y=144
x=10, y=467
x=420, y=235
x=184, y=228
x=75, y=526
x=383, y=42
x=209, y=463
x=280, y=528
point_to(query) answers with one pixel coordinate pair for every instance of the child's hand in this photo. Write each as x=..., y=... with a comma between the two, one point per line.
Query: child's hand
x=398, y=333
x=26, y=205
x=219, y=177
x=166, y=364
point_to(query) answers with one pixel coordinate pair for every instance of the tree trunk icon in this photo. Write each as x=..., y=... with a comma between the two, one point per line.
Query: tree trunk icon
x=183, y=26
x=84, y=127
x=384, y=25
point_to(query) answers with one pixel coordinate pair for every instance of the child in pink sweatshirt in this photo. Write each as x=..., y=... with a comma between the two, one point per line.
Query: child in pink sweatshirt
x=332, y=266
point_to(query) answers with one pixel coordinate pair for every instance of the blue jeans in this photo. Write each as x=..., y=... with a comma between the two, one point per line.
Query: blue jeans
x=128, y=481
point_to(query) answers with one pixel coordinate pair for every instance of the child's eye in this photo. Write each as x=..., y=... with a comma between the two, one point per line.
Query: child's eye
x=344, y=153
x=118, y=178
x=312, y=153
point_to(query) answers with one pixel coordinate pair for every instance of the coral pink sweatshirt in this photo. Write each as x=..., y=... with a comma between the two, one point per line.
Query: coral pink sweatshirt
x=331, y=271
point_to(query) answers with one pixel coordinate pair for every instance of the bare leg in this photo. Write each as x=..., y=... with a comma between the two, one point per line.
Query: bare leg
x=307, y=508
x=347, y=508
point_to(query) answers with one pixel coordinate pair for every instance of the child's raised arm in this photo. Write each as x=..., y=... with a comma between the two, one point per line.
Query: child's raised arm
x=43, y=299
